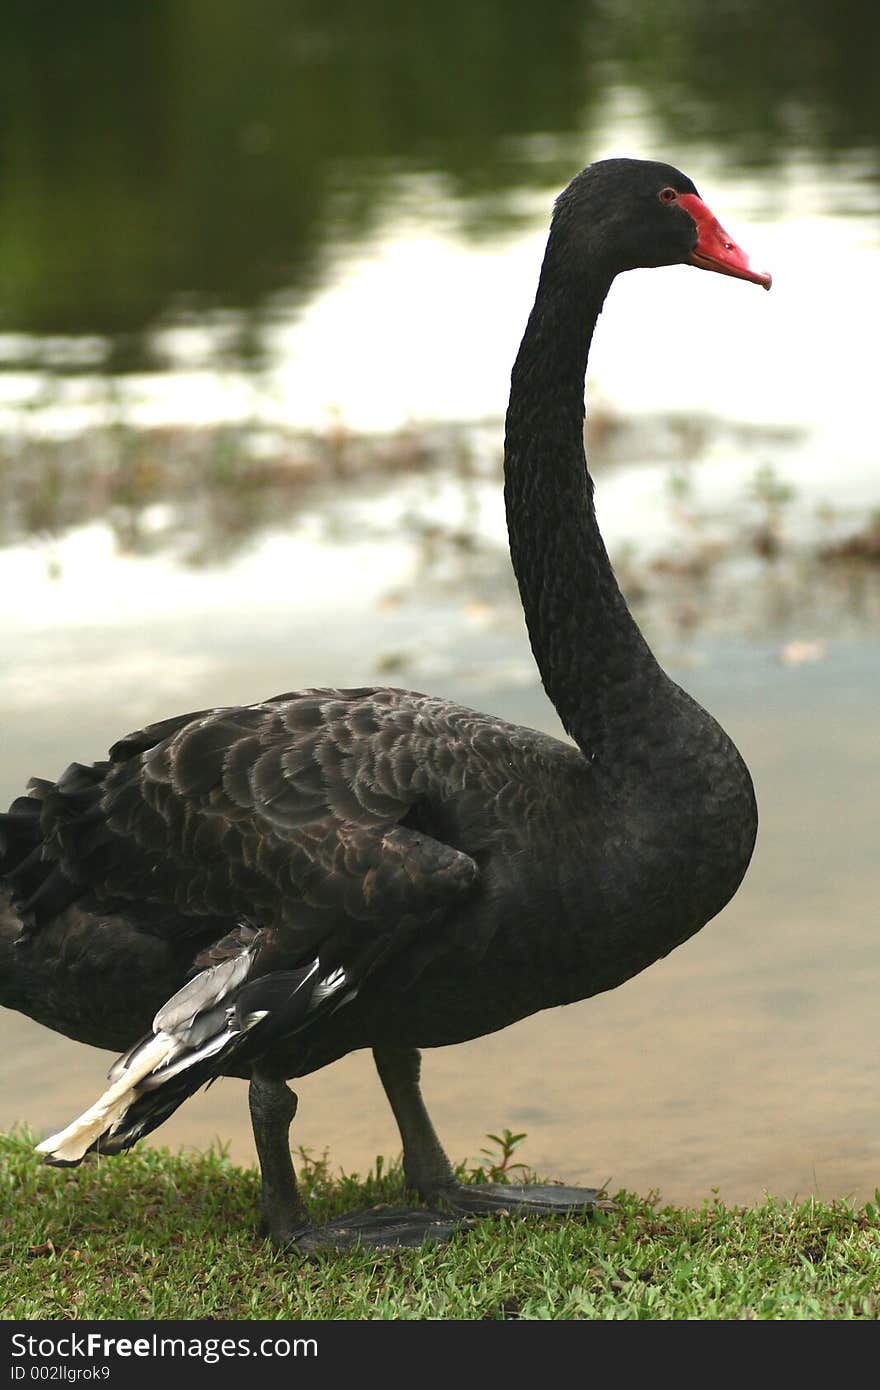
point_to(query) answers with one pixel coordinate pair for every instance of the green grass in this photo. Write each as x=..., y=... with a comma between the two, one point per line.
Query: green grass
x=158, y=1235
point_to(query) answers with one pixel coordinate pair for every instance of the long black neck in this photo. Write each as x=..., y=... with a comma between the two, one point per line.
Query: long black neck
x=594, y=663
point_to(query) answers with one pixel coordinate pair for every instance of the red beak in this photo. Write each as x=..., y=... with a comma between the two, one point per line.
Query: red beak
x=714, y=249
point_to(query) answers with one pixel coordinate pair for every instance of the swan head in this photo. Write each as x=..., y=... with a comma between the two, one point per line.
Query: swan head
x=620, y=214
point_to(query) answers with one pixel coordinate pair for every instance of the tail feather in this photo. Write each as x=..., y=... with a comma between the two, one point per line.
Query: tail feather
x=211, y=1017
x=71, y=1144
x=198, y=1023
x=41, y=888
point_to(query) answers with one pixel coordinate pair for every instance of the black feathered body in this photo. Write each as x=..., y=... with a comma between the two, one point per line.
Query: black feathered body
x=394, y=869
x=97, y=980
x=416, y=843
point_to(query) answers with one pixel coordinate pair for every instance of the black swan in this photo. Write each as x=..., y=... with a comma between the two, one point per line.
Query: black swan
x=282, y=883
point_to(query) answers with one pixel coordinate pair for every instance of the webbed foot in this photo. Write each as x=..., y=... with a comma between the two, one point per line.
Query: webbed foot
x=527, y=1199
x=378, y=1228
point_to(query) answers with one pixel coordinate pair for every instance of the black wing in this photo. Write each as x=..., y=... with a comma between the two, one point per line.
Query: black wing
x=301, y=814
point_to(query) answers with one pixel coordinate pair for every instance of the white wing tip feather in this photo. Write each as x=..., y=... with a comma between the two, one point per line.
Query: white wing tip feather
x=71, y=1144
x=167, y=1054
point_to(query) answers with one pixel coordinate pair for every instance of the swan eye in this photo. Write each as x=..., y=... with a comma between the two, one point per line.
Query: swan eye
x=668, y=195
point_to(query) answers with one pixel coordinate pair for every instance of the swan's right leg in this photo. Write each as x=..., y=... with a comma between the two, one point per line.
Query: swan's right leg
x=429, y=1173
x=426, y=1168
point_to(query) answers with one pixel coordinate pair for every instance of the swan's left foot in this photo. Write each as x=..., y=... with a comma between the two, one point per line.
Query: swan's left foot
x=379, y=1228
x=285, y=1217
x=528, y=1199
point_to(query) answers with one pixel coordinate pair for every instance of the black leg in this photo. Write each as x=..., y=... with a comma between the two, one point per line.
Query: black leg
x=285, y=1216
x=273, y=1106
x=428, y=1171
x=425, y=1166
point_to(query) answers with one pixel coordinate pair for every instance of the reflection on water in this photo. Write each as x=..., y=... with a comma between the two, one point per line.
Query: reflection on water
x=334, y=220
x=178, y=228
x=170, y=151
x=707, y=538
